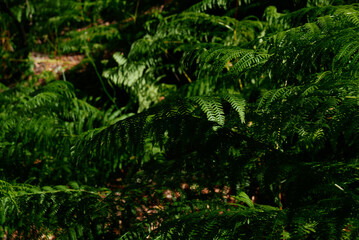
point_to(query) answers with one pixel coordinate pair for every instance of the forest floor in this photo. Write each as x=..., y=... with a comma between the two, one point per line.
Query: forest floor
x=57, y=65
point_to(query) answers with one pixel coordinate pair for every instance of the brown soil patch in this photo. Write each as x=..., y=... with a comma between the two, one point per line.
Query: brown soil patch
x=57, y=65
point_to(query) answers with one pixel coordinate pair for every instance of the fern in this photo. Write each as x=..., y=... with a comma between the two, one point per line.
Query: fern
x=212, y=108
x=238, y=104
x=245, y=129
x=207, y=4
x=136, y=129
x=52, y=211
x=286, y=137
x=48, y=119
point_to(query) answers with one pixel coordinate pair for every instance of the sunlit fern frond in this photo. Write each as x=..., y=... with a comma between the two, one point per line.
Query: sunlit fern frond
x=136, y=79
x=321, y=45
x=220, y=57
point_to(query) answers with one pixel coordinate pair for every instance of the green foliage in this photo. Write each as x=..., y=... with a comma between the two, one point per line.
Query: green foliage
x=72, y=212
x=245, y=129
x=47, y=120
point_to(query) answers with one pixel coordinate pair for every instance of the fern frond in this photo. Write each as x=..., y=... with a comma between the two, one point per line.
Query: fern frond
x=202, y=6
x=221, y=224
x=57, y=210
x=130, y=136
x=212, y=108
x=238, y=103
x=136, y=79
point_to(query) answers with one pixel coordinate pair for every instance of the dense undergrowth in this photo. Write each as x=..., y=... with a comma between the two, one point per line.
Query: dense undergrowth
x=185, y=120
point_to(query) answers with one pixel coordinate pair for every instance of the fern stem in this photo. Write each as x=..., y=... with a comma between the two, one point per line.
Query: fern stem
x=101, y=80
x=136, y=11
x=235, y=17
x=188, y=78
